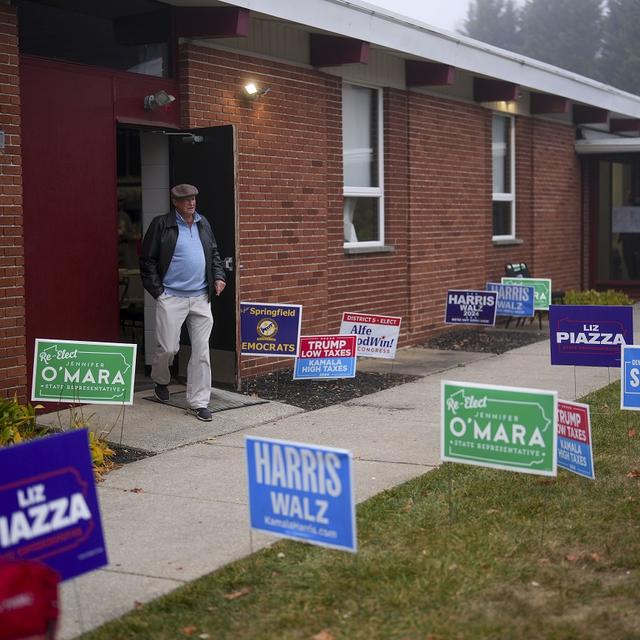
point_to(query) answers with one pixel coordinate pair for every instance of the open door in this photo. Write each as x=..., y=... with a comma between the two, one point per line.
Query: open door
x=207, y=159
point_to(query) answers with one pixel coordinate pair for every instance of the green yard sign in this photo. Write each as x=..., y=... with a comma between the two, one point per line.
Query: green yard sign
x=499, y=427
x=541, y=290
x=94, y=372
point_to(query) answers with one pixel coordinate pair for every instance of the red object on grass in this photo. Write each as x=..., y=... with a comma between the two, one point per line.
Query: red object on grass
x=28, y=601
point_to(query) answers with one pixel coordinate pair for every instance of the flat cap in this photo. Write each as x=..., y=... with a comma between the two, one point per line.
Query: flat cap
x=183, y=191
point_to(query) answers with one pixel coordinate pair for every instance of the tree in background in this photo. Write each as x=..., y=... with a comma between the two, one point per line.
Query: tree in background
x=565, y=33
x=620, y=61
x=579, y=35
x=495, y=22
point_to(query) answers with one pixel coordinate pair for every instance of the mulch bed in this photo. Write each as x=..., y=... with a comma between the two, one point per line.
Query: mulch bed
x=486, y=341
x=124, y=455
x=317, y=394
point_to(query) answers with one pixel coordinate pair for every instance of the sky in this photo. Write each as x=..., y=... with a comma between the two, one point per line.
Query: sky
x=447, y=14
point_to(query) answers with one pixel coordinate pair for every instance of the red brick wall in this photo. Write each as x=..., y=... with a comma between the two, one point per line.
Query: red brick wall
x=437, y=156
x=12, y=321
x=289, y=161
x=556, y=188
x=450, y=205
x=438, y=210
x=289, y=146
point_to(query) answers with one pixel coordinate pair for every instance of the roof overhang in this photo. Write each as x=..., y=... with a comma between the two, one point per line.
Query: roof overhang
x=608, y=145
x=362, y=21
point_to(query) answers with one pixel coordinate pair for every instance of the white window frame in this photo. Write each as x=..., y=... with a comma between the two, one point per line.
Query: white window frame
x=370, y=192
x=506, y=197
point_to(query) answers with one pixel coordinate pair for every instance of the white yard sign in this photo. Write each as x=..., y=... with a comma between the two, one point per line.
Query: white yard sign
x=377, y=335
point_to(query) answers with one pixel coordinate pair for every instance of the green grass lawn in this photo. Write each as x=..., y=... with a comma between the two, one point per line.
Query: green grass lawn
x=460, y=552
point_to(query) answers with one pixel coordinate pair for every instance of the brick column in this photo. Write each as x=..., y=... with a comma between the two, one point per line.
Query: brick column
x=13, y=377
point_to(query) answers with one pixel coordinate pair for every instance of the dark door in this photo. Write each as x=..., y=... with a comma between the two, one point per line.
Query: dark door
x=206, y=158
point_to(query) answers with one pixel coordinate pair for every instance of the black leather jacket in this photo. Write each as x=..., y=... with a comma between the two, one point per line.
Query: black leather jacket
x=157, y=251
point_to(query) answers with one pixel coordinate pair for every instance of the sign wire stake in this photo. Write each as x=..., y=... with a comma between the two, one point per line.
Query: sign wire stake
x=610, y=394
x=253, y=564
x=450, y=492
x=545, y=505
x=124, y=408
x=575, y=384
x=79, y=606
x=629, y=436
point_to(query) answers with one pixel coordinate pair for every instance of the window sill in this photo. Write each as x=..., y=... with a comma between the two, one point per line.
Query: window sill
x=387, y=248
x=507, y=242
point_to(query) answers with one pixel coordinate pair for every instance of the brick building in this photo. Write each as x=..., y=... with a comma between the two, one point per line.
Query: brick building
x=378, y=163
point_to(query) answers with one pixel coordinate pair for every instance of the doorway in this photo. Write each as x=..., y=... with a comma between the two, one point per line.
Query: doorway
x=617, y=224
x=129, y=229
x=149, y=163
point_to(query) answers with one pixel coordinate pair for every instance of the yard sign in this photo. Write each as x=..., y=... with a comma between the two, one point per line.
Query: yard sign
x=589, y=335
x=630, y=377
x=301, y=491
x=377, y=335
x=466, y=306
x=94, y=372
x=500, y=427
x=270, y=329
x=514, y=300
x=323, y=357
x=575, y=452
x=48, y=505
x=541, y=293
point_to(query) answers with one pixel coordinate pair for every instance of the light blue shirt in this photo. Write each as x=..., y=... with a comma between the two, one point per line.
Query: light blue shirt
x=186, y=275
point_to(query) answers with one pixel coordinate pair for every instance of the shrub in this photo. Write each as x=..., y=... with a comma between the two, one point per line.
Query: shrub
x=18, y=424
x=101, y=453
x=17, y=421
x=608, y=297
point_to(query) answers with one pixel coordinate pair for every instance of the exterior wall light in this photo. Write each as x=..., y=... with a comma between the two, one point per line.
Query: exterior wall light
x=251, y=90
x=156, y=100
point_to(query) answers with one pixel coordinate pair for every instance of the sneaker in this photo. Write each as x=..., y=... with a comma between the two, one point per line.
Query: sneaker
x=162, y=392
x=202, y=414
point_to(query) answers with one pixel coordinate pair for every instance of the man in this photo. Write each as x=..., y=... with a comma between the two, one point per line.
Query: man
x=181, y=268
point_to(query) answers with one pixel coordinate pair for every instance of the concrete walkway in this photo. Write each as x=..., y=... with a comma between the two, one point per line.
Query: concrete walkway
x=183, y=513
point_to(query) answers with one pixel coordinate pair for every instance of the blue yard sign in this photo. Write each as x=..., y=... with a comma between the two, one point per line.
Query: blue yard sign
x=630, y=377
x=575, y=452
x=301, y=491
x=48, y=505
x=541, y=290
x=270, y=329
x=470, y=307
x=513, y=299
x=589, y=335
x=325, y=357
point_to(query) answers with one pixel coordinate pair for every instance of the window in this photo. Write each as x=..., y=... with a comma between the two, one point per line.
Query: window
x=618, y=229
x=362, y=161
x=129, y=36
x=503, y=155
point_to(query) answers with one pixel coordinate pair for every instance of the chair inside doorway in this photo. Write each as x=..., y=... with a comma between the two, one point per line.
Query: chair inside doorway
x=520, y=270
x=131, y=310
x=131, y=292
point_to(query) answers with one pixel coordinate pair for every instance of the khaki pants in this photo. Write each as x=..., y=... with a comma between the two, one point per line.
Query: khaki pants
x=171, y=313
